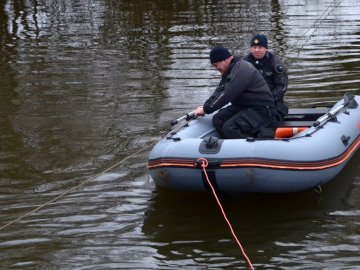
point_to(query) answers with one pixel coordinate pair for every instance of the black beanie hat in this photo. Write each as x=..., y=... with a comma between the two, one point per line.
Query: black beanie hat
x=219, y=54
x=259, y=40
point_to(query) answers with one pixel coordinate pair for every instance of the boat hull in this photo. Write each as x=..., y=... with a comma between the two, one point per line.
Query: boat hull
x=306, y=161
x=243, y=180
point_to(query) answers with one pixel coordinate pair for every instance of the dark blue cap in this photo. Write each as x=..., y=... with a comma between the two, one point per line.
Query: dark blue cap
x=259, y=40
x=219, y=54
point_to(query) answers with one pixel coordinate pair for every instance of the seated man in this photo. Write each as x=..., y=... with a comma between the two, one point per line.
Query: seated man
x=272, y=69
x=252, y=103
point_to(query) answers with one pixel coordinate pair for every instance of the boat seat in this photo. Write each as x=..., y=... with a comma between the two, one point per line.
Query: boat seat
x=294, y=123
x=307, y=114
x=319, y=111
x=298, y=120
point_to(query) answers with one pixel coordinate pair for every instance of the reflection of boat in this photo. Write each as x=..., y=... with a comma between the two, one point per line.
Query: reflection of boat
x=306, y=160
x=186, y=229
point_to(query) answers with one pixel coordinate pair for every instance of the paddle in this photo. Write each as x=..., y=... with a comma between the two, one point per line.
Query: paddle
x=187, y=117
x=349, y=101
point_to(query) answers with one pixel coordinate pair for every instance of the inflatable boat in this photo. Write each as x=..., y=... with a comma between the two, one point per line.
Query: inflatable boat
x=311, y=146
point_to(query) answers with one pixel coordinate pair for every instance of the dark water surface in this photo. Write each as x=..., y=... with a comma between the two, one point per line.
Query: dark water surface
x=86, y=84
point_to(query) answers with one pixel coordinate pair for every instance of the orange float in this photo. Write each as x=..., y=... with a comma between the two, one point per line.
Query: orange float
x=288, y=132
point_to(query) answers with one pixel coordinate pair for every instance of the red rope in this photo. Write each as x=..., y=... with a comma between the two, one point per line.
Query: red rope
x=204, y=165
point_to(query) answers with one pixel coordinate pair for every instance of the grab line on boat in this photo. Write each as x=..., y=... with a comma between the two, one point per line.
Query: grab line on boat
x=75, y=187
x=204, y=164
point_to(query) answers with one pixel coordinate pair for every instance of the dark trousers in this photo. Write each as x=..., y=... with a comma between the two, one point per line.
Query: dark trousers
x=237, y=123
x=281, y=109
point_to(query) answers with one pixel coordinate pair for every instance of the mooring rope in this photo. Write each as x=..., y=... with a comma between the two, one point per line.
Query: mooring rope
x=75, y=187
x=204, y=164
x=94, y=177
x=317, y=23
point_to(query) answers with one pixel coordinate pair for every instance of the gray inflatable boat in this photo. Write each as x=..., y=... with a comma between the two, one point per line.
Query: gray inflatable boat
x=312, y=146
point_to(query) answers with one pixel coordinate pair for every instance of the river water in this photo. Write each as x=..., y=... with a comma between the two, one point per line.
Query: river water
x=86, y=84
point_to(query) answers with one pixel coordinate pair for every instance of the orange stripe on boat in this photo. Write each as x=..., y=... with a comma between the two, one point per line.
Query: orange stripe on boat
x=294, y=165
x=171, y=163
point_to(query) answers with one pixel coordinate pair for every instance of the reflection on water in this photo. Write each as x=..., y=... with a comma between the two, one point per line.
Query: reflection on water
x=85, y=84
x=297, y=230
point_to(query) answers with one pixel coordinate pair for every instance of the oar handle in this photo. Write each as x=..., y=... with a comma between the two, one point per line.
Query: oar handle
x=349, y=101
x=187, y=117
x=328, y=115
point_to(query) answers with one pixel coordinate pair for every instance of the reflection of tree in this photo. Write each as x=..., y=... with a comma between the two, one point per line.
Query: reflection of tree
x=141, y=32
x=22, y=18
x=141, y=28
x=279, y=34
x=10, y=140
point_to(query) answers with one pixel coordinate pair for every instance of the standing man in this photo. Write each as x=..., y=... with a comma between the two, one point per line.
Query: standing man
x=272, y=69
x=252, y=105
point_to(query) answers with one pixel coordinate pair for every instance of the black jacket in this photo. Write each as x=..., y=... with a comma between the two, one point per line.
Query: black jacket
x=243, y=86
x=274, y=72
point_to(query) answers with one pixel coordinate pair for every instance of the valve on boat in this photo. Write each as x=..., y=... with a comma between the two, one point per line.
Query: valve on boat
x=211, y=142
x=345, y=139
x=210, y=145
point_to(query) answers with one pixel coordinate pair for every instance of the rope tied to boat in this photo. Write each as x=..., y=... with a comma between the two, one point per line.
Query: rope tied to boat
x=77, y=186
x=204, y=164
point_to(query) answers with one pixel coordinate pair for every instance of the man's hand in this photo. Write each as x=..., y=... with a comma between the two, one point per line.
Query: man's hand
x=199, y=111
